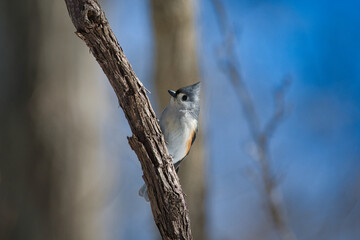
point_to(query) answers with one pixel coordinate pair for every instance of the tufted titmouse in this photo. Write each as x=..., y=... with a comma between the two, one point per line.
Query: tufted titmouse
x=179, y=124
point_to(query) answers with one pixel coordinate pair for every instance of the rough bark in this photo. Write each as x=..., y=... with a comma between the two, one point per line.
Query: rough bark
x=166, y=197
x=177, y=66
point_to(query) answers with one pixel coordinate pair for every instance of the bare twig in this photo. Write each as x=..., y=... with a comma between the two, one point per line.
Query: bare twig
x=166, y=197
x=280, y=108
x=230, y=66
x=261, y=136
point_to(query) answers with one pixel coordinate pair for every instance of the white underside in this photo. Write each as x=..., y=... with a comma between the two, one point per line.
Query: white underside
x=178, y=129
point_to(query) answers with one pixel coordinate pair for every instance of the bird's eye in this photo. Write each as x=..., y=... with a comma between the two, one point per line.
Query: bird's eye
x=184, y=98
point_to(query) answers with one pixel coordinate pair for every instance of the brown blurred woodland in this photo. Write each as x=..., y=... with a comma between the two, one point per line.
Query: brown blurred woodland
x=50, y=185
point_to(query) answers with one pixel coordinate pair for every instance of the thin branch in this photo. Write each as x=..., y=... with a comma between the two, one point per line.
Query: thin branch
x=166, y=197
x=280, y=108
x=230, y=67
x=261, y=136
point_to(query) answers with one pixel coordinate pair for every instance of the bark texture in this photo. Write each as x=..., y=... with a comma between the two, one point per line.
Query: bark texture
x=166, y=197
x=177, y=66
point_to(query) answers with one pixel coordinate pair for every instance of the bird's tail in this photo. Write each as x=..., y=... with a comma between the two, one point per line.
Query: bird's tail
x=143, y=192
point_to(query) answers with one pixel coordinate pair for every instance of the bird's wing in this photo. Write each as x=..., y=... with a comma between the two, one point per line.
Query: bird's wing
x=177, y=164
x=194, y=136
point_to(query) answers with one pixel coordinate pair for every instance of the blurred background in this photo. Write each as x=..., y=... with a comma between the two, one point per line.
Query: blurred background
x=274, y=158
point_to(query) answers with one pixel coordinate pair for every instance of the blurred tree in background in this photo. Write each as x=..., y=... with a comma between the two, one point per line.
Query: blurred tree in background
x=177, y=66
x=52, y=181
x=50, y=169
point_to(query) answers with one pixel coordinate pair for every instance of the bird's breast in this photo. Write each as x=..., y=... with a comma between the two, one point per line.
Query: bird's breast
x=178, y=131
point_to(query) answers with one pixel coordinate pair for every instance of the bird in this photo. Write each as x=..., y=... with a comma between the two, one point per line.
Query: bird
x=179, y=123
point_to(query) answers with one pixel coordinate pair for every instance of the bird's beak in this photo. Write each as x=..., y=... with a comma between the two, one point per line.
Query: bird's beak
x=172, y=93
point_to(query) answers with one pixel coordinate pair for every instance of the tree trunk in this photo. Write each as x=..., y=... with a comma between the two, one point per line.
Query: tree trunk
x=49, y=159
x=165, y=193
x=177, y=66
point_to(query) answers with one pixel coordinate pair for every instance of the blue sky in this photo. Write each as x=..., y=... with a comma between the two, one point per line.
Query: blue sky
x=316, y=150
